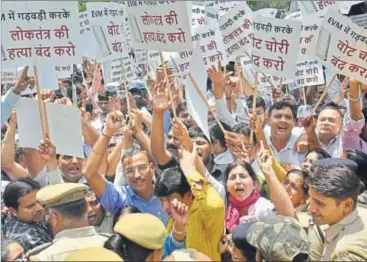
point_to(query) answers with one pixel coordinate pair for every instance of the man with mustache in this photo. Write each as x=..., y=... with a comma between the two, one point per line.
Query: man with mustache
x=137, y=171
x=25, y=223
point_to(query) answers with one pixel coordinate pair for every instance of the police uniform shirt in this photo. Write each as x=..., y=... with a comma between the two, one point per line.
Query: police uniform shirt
x=67, y=242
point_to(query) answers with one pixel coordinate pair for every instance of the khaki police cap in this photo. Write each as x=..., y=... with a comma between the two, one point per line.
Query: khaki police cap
x=60, y=194
x=145, y=230
x=94, y=254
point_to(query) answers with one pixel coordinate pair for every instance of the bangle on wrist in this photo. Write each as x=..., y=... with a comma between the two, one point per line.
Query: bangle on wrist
x=176, y=232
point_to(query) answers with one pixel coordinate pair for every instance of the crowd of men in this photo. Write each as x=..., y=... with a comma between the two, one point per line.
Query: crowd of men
x=269, y=182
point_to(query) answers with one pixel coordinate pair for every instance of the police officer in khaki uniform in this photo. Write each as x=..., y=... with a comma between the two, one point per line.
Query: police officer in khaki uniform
x=66, y=213
x=334, y=190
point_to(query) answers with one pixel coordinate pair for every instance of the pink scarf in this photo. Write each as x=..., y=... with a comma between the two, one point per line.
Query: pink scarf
x=234, y=205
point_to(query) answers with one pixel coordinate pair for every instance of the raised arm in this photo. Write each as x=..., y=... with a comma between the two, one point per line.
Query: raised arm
x=279, y=195
x=160, y=105
x=8, y=164
x=96, y=180
x=139, y=134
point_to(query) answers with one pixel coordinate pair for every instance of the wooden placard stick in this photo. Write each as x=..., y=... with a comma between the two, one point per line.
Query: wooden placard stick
x=323, y=94
x=304, y=95
x=41, y=108
x=193, y=81
x=167, y=81
x=254, y=105
x=125, y=87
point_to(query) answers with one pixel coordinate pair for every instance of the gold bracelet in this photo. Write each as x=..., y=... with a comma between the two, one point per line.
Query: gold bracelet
x=178, y=233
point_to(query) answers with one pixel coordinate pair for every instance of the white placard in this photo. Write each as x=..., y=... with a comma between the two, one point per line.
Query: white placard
x=195, y=105
x=113, y=73
x=198, y=15
x=43, y=32
x=342, y=46
x=8, y=76
x=87, y=36
x=310, y=25
x=160, y=25
x=107, y=25
x=236, y=29
x=222, y=7
x=309, y=73
x=64, y=71
x=211, y=45
x=64, y=125
x=275, y=46
x=141, y=56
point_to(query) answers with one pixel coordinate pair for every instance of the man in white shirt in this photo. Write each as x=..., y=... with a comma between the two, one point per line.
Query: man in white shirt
x=283, y=136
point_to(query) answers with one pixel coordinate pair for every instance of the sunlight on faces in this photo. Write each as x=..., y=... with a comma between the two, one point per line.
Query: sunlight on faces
x=326, y=210
x=329, y=123
x=29, y=210
x=71, y=168
x=138, y=173
x=281, y=123
x=293, y=184
x=240, y=185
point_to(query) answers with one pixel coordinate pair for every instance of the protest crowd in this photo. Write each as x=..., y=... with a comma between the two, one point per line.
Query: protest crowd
x=183, y=131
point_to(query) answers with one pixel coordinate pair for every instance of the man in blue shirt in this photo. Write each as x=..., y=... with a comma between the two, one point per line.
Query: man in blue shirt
x=11, y=97
x=137, y=170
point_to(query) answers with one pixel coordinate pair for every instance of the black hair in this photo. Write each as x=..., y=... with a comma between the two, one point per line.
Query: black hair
x=364, y=112
x=304, y=175
x=321, y=153
x=332, y=106
x=125, y=210
x=127, y=249
x=140, y=101
x=280, y=105
x=243, y=129
x=172, y=180
x=197, y=132
x=216, y=133
x=17, y=189
x=5, y=243
x=247, y=250
x=361, y=159
x=135, y=91
x=260, y=102
x=245, y=165
x=74, y=210
x=336, y=181
x=18, y=153
x=132, y=152
x=180, y=107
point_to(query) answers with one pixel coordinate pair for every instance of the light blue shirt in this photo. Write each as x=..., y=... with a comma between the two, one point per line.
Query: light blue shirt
x=115, y=197
x=8, y=101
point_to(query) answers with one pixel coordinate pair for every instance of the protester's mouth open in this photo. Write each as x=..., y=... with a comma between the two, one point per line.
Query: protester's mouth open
x=92, y=219
x=240, y=192
x=74, y=170
x=282, y=129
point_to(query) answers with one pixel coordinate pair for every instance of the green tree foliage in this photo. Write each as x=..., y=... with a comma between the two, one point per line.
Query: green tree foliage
x=278, y=4
x=82, y=6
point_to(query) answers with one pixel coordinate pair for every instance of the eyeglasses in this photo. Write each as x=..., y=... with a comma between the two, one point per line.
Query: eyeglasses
x=131, y=171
